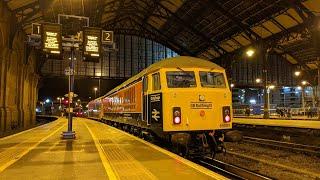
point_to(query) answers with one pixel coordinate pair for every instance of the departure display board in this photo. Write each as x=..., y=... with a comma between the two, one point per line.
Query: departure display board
x=51, y=38
x=91, y=43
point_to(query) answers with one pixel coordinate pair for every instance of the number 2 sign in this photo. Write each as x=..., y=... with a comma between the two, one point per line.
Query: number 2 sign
x=107, y=36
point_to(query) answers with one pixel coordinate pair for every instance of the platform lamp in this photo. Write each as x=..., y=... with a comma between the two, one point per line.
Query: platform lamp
x=95, y=92
x=304, y=83
x=297, y=73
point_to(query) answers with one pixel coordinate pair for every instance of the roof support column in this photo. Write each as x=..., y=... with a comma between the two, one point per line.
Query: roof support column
x=266, y=87
x=318, y=88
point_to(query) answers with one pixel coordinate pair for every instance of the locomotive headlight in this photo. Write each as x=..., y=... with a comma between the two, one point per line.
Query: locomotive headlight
x=176, y=115
x=201, y=98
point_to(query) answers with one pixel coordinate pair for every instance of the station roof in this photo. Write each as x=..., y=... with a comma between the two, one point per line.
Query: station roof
x=208, y=28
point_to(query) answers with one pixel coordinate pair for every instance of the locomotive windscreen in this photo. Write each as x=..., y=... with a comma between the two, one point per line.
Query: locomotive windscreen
x=212, y=79
x=181, y=79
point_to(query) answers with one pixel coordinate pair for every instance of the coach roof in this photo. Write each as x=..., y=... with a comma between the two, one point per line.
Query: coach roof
x=175, y=62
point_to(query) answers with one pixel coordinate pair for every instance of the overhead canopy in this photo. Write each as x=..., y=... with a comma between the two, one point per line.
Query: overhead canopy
x=205, y=28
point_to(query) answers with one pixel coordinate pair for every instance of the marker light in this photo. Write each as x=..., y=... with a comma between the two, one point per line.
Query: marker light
x=227, y=118
x=226, y=114
x=177, y=120
x=176, y=115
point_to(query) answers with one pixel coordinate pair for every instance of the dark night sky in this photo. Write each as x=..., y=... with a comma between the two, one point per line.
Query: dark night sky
x=54, y=87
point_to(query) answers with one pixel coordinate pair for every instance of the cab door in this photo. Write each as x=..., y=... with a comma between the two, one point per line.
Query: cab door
x=145, y=100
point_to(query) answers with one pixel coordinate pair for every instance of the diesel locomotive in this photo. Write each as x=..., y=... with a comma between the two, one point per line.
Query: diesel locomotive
x=184, y=100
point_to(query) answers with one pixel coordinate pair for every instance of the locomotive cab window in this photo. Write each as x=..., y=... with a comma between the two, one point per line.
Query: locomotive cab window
x=181, y=79
x=156, y=82
x=145, y=84
x=212, y=79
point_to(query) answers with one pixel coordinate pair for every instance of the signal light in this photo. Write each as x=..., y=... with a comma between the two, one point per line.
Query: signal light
x=176, y=115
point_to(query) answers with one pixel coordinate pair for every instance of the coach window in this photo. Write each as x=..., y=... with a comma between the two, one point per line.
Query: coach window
x=156, y=82
x=145, y=84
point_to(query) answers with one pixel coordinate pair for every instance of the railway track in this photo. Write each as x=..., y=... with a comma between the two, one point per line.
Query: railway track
x=307, y=149
x=229, y=170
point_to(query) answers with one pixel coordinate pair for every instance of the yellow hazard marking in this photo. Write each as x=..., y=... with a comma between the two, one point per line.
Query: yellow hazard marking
x=179, y=158
x=25, y=131
x=9, y=163
x=102, y=155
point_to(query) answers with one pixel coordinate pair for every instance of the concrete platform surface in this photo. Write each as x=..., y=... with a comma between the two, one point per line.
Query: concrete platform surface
x=309, y=124
x=98, y=152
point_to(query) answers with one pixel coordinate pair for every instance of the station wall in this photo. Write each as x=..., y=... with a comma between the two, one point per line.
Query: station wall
x=18, y=77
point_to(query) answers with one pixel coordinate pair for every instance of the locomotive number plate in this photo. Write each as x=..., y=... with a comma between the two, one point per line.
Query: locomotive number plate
x=224, y=125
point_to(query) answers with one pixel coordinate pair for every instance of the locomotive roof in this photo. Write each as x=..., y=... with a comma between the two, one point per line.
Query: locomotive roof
x=175, y=62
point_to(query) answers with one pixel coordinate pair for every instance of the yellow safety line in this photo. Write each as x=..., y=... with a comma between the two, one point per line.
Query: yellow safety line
x=179, y=158
x=111, y=174
x=22, y=132
x=276, y=164
x=6, y=165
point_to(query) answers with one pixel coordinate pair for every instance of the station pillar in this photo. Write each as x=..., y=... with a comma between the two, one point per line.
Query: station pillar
x=266, y=108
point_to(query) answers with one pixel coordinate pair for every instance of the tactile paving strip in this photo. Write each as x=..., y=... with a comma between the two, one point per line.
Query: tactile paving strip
x=122, y=163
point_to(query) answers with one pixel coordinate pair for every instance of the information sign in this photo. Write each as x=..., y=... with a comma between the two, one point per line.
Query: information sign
x=51, y=38
x=91, y=43
x=68, y=71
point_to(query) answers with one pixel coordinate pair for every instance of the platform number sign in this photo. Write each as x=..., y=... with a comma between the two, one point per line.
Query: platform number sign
x=51, y=38
x=91, y=43
x=36, y=29
x=107, y=37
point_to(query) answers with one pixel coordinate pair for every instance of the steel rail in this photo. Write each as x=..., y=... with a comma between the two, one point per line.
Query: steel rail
x=229, y=170
x=308, y=149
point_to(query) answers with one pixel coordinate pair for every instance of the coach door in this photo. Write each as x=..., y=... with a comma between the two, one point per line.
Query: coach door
x=145, y=100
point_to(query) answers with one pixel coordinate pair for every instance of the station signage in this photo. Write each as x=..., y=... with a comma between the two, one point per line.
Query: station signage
x=107, y=37
x=91, y=43
x=36, y=29
x=51, y=38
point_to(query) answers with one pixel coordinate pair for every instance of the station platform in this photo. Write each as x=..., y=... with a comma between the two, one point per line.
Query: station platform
x=98, y=152
x=294, y=123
